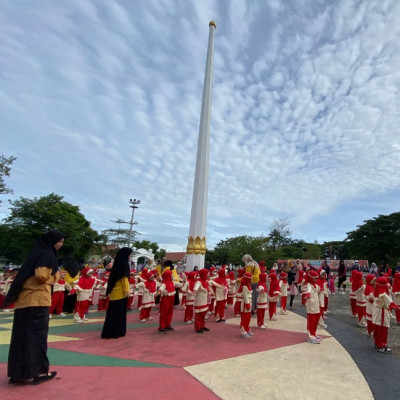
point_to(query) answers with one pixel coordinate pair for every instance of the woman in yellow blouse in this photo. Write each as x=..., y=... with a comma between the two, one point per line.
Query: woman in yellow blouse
x=118, y=290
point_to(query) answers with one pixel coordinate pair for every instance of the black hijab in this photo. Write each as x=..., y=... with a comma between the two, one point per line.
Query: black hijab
x=43, y=254
x=71, y=266
x=120, y=268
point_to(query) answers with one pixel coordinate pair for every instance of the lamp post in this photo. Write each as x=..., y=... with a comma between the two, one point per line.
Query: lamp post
x=133, y=204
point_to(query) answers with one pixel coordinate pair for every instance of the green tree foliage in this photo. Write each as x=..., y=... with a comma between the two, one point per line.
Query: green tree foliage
x=335, y=250
x=5, y=169
x=146, y=244
x=32, y=217
x=377, y=239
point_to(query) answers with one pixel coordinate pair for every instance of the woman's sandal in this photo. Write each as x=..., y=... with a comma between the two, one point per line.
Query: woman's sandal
x=44, y=378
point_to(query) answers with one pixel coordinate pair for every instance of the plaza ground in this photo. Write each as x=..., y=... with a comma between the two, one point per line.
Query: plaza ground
x=277, y=363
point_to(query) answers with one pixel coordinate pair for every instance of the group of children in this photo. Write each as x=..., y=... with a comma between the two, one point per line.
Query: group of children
x=372, y=300
x=210, y=291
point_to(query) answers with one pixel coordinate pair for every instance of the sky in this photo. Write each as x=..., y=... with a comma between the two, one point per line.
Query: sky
x=100, y=102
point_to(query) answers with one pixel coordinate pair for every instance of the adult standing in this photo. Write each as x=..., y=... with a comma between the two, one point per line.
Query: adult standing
x=118, y=289
x=342, y=276
x=31, y=293
x=71, y=277
x=253, y=268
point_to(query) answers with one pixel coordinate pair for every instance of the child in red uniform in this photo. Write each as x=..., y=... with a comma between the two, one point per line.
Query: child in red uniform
x=262, y=300
x=167, y=293
x=103, y=298
x=273, y=295
x=383, y=304
x=331, y=283
x=358, y=287
x=245, y=308
x=369, y=298
x=201, y=290
x=132, y=287
x=353, y=297
x=231, y=288
x=220, y=286
x=57, y=297
x=149, y=289
x=141, y=278
x=84, y=289
x=396, y=294
x=283, y=284
x=188, y=318
x=313, y=306
x=238, y=297
x=211, y=295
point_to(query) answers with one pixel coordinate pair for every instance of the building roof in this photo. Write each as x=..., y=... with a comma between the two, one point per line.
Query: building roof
x=175, y=255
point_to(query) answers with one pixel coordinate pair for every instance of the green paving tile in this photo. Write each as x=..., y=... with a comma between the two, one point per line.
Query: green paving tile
x=75, y=328
x=70, y=358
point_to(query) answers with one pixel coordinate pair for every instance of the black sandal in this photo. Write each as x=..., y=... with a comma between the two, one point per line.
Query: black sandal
x=44, y=378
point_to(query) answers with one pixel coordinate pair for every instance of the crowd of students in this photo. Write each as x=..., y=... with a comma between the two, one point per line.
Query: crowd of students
x=250, y=290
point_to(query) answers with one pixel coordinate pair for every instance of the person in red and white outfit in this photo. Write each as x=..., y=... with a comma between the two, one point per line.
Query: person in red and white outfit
x=57, y=297
x=322, y=295
x=142, y=277
x=103, y=298
x=238, y=297
x=201, y=292
x=273, y=295
x=396, y=294
x=358, y=287
x=245, y=307
x=231, y=289
x=149, y=289
x=189, y=318
x=369, y=298
x=353, y=296
x=167, y=293
x=220, y=285
x=383, y=305
x=132, y=287
x=84, y=290
x=313, y=306
x=262, y=300
x=283, y=285
x=211, y=298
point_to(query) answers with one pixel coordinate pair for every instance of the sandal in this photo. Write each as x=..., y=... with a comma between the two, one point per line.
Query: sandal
x=37, y=380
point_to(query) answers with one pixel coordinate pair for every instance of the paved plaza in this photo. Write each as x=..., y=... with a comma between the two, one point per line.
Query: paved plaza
x=277, y=363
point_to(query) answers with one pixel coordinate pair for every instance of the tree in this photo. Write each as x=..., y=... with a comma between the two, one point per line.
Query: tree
x=233, y=249
x=377, y=239
x=279, y=232
x=335, y=250
x=146, y=244
x=119, y=236
x=5, y=168
x=32, y=217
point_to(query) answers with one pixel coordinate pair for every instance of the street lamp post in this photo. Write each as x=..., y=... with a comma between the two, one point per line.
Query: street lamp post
x=133, y=204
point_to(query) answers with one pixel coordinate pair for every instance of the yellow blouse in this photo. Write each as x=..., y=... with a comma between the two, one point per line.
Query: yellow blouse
x=36, y=290
x=120, y=290
x=70, y=279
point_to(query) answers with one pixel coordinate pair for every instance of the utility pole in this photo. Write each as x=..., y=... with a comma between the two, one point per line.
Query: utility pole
x=133, y=204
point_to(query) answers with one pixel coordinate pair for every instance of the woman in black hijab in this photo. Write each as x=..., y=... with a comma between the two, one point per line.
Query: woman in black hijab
x=31, y=293
x=72, y=275
x=118, y=290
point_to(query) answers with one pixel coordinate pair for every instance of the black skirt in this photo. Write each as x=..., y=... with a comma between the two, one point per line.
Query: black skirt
x=115, y=322
x=69, y=302
x=27, y=356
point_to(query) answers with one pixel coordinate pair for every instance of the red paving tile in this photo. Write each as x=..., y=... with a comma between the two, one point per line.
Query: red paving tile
x=182, y=347
x=109, y=383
